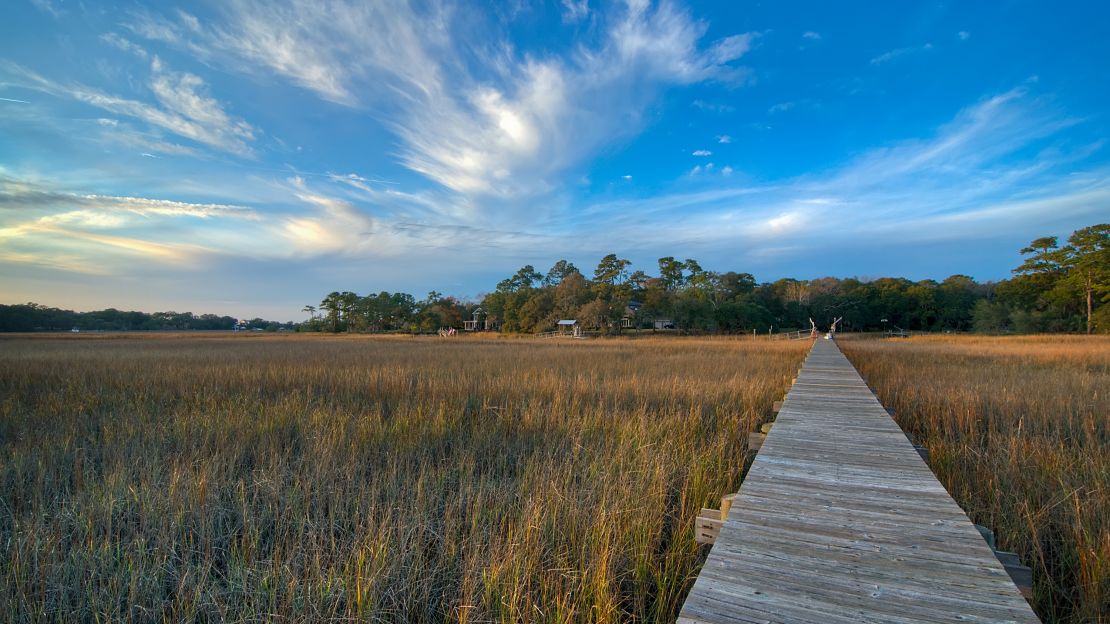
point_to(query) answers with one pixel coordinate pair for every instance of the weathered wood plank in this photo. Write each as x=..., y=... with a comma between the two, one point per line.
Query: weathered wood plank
x=841, y=520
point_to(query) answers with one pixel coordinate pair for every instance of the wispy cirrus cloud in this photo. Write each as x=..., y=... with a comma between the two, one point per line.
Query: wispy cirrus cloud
x=892, y=55
x=117, y=41
x=28, y=196
x=89, y=233
x=48, y=6
x=713, y=107
x=977, y=176
x=575, y=10
x=486, y=121
x=183, y=108
x=994, y=168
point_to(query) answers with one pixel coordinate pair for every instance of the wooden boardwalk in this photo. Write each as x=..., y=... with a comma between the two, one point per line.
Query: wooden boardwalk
x=840, y=520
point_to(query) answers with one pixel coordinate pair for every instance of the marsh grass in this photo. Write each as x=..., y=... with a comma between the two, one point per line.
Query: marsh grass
x=1018, y=430
x=384, y=480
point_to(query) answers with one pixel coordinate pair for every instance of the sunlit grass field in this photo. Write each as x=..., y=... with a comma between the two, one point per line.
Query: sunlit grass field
x=1018, y=430
x=247, y=478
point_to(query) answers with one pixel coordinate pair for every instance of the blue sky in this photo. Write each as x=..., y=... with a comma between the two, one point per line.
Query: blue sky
x=247, y=157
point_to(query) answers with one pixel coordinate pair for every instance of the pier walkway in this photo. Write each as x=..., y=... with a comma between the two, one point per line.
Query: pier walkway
x=840, y=520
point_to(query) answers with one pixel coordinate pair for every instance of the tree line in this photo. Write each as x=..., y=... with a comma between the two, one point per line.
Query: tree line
x=30, y=317
x=1056, y=288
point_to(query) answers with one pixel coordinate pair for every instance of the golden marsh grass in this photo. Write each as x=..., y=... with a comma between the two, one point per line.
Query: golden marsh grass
x=393, y=480
x=1018, y=430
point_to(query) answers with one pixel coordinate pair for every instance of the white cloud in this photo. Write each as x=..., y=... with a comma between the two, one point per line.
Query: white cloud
x=336, y=227
x=784, y=221
x=48, y=6
x=702, y=152
x=186, y=110
x=898, y=53
x=811, y=35
x=575, y=10
x=724, y=138
x=971, y=179
x=963, y=35
x=33, y=196
x=481, y=122
x=781, y=107
x=713, y=107
x=126, y=45
x=89, y=233
x=184, y=94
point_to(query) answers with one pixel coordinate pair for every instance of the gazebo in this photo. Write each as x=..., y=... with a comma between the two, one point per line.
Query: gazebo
x=568, y=327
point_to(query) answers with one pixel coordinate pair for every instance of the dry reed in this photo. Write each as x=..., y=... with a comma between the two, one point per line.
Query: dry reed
x=1018, y=430
x=406, y=480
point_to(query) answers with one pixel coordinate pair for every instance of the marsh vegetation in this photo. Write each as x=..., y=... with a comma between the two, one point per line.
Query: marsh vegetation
x=1018, y=431
x=393, y=480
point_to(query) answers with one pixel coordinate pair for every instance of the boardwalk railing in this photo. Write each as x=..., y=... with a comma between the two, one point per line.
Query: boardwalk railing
x=800, y=334
x=840, y=521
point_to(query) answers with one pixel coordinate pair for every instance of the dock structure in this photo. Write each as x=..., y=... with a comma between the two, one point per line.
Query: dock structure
x=840, y=520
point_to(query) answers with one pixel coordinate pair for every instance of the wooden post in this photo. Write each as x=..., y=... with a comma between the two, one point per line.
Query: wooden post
x=988, y=535
x=726, y=505
x=776, y=406
x=755, y=441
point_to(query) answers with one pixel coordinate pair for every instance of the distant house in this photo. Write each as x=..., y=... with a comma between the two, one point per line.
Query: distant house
x=569, y=327
x=475, y=324
x=628, y=319
x=664, y=324
x=480, y=321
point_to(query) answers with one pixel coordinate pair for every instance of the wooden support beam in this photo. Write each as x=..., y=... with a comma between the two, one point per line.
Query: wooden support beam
x=922, y=451
x=1007, y=558
x=755, y=441
x=712, y=514
x=1022, y=576
x=776, y=407
x=706, y=529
